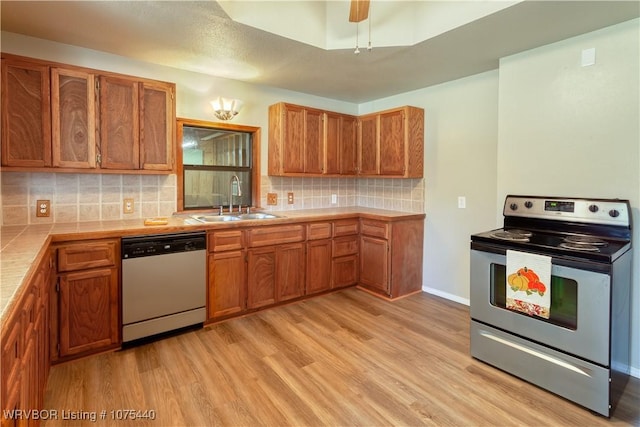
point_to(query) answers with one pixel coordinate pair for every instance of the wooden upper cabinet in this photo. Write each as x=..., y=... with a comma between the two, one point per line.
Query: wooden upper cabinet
x=332, y=143
x=157, y=120
x=119, y=123
x=368, y=145
x=26, y=113
x=80, y=119
x=313, y=143
x=348, y=145
x=73, y=115
x=391, y=143
x=296, y=140
x=341, y=148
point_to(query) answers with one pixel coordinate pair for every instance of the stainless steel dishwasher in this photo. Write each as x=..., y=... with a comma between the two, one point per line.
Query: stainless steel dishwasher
x=163, y=283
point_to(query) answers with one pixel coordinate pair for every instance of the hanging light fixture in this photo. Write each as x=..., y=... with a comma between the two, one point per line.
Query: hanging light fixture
x=226, y=108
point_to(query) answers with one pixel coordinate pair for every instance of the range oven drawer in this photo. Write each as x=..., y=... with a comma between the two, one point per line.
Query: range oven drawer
x=572, y=378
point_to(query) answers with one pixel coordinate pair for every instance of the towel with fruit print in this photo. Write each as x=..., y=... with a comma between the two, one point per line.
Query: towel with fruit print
x=528, y=279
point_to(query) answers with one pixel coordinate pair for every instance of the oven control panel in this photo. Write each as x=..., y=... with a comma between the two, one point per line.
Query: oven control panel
x=595, y=211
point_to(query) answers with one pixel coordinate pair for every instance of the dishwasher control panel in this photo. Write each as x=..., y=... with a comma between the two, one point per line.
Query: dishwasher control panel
x=160, y=244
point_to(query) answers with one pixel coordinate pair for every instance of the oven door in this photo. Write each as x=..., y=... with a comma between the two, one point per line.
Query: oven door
x=579, y=314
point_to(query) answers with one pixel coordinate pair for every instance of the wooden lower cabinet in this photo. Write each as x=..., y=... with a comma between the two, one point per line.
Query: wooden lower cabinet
x=24, y=349
x=88, y=310
x=374, y=262
x=318, y=266
x=261, y=277
x=344, y=271
x=227, y=284
x=290, y=271
x=85, y=310
x=391, y=256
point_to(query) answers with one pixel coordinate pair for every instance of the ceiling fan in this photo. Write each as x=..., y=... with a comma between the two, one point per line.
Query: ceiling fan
x=359, y=10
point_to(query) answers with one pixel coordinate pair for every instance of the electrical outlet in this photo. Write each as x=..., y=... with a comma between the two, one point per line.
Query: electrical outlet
x=127, y=206
x=43, y=208
x=334, y=199
x=462, y=202
x=290, y=198
x=272, y=198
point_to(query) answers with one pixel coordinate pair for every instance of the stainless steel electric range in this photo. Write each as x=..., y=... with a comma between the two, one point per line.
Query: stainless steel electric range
x=569, y=332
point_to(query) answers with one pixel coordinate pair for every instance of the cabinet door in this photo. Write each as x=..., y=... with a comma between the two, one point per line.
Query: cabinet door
x=348, y=145
x=313, y=141
x=119, y=123
x=156, y=129
x=88, y=311
x=227, y=283
x=293, y=144
x=12, y=349
x=26, y=114
x=261, y=277
x=318, y=266
x=392, y=143
x=332, y=143
x=368, y=145
x=73, y=116
x=290, y=272
x=374, y=262
x=344, y=271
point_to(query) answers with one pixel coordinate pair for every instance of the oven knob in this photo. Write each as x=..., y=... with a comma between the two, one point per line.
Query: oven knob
x=514, y=207
x=593, y=208
x=528, y=204
x=614, y=213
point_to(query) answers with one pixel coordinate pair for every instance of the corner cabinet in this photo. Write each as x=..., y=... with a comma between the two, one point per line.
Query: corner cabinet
x=89, y=119
x=391, y=143
x=86, y=305
x=391, y=256
x=305, y=141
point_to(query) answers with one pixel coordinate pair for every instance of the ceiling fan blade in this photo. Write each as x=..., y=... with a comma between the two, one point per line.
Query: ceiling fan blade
x=359, y=10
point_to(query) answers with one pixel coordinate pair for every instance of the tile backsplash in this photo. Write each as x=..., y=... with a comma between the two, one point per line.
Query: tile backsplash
x=396, y=194
x=85, y=197
x=98, y=197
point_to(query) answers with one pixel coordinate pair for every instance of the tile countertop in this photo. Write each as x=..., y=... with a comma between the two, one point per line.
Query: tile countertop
x=23, y=246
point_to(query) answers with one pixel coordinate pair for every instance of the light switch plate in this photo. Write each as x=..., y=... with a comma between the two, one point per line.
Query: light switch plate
x=462, y=202
x=272, y=199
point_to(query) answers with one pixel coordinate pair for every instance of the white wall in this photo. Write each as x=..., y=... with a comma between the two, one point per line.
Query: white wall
x=461, y=137
x=569, y=130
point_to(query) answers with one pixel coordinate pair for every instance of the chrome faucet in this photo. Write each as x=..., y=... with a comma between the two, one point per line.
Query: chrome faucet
x=237, y=180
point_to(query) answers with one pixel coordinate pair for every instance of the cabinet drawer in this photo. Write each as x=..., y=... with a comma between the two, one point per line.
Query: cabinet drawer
x=345, y=227
x=345, y=246
x=231, y=240
x=375, y=228
x=319, y=230
x=89, y=254
x=266, y=236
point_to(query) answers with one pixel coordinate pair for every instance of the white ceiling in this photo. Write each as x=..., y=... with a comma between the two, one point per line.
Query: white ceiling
x=308, y=46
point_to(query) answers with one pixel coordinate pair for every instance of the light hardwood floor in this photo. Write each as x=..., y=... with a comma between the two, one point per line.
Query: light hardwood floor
x=342, y=359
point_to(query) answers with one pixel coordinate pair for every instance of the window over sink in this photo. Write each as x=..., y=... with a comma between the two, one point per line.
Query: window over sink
x=210, y=156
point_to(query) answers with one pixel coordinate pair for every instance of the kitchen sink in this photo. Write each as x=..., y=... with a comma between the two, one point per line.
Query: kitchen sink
x=238, y=217
x=258, y=215
x=215, y=218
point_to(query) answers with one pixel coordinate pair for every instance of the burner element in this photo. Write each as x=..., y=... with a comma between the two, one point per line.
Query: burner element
x=585, y=240
x=513, y=235
x=585, y=247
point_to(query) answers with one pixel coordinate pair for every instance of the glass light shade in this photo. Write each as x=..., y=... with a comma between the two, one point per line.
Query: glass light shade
x=226, y=108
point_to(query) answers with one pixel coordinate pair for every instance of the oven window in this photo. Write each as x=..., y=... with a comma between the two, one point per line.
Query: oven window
x=564, y=297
